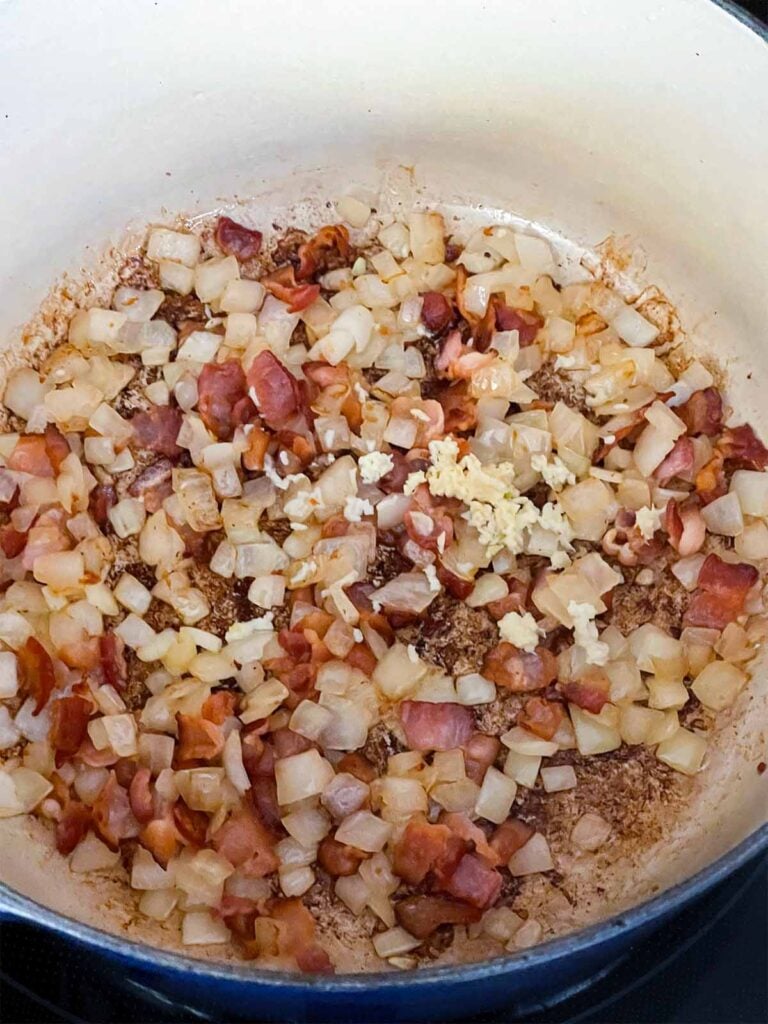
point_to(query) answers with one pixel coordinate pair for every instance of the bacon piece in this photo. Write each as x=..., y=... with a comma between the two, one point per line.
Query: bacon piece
x=357, y=764
x=467, y=831
x=424, y=847
x=455, y=585
x=283, y=285
x=436, y=312
x=101, y=499
x=199, y=739
x=703, y=412
x=436, y=726
x=515, y=601
x=36, y=671
x=479, y=754
x=686, y=528
x=11, y=541
x=72, y=826
x=69, y=722
x=140, y=796
x=113, y=664
x=337, y=859
x=245, y=842
x=474, y=882
x=237, y=240
x=112, y=814
x=161, y=838
x=191, y=825
x=542, y=717
x=313, y=254
x=94, y=758
x=458, y=361
x=510, y=837
x=459, y=409
x=679, y=462
x=721, y=591
x=298, y=936
x=46, y=537
x=221, y=388
x=590, y=693
x=526, y=323
x=427, y=528
x=30, y=455
x=741, y=445
x=258, y=443
x=277, y=391
x=56, y=445
x=520, y=671
x=153, y=485
x=423, y=915
x=157, y=429
x=219, y=706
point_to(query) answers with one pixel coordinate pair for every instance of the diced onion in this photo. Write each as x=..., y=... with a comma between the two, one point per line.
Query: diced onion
x=532, y=858
x=364, y=831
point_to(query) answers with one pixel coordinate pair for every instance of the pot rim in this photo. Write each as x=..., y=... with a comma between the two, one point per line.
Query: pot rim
x=14, y=905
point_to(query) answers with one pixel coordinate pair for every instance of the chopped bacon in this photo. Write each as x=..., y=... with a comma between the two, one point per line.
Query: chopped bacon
x=113, y=664
x=56, y=446
x=685, y=526
x=337, y=859
x=191, y=825
x=153, y=484
x=69, y=722
x=140, y=796
x=199, y=739
x=679, y=462
x=237, y=240
x=436, y=726
x=298, y=938
x=157, y=430
x=258, y=443
x=436, y=312
x=456, y=586
x=741, y=445
x=703, y=412
x=423, y=915
x=431, y=530
x=80, y=653
x=48, y=536
x=721, y=591
x=422, y=848
x=479, y=754
x=542, y=717
x=458, y=361
x=11, y=541
x=31, y=455
x=515, y=601
x=72, y=826
x=467, y=831
x=283, y=285
x=510, y=837
x=245, y=842
x=286, y=743
x=526, y=323
x=36, y=671
x=474, y=882
x=357, y=764
x=112, y=814
x=361, y=656
x=520, y=671
x=590, y=693
x=221, y=388
x=219, y=706
x=161, y=838
x=459, y=408
x=94, y=758
x=333, y=238
x=277, y=391
x=101, y=499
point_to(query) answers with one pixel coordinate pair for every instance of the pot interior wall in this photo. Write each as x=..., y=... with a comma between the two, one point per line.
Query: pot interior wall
x=590, y=118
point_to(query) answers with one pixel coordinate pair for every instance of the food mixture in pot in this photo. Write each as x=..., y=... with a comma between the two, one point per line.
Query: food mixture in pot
x=334, y=570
